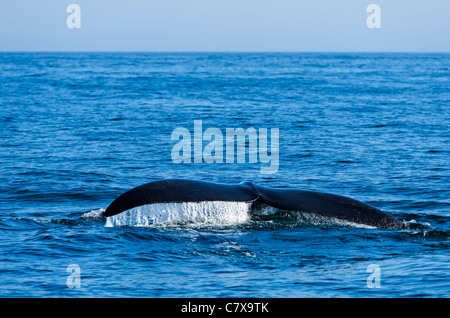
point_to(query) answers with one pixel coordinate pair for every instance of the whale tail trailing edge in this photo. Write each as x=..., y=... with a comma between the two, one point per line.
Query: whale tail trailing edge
x=324, y=204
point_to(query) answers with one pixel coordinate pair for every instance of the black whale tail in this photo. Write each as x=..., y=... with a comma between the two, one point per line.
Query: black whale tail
x=328, y=205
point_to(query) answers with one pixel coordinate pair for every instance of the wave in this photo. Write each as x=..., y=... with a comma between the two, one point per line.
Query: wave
x=220, y=214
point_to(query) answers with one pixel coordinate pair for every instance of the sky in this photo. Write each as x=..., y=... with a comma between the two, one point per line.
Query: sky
x=226, y=25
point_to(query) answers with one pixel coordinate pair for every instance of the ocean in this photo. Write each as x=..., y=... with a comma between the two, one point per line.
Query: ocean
x=80, y=129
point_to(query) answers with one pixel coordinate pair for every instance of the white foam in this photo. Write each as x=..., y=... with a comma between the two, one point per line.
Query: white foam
x=316, y=219
x=261, y=209
x=210, y=213
x=94, y=213
x=201, y=213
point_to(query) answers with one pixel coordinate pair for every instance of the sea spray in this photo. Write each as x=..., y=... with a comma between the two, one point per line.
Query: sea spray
x=207, y=213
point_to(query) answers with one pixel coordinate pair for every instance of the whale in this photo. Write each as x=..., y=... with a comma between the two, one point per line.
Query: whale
x=287, y=199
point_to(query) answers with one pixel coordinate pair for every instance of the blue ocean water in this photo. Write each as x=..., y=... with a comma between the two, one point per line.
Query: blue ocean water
x=79, y=129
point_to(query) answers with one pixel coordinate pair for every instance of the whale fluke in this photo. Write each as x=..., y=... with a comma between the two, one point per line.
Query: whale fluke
x=324, y=204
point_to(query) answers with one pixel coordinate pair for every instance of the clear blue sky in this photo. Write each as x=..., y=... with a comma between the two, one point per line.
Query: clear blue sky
x=225, y=25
